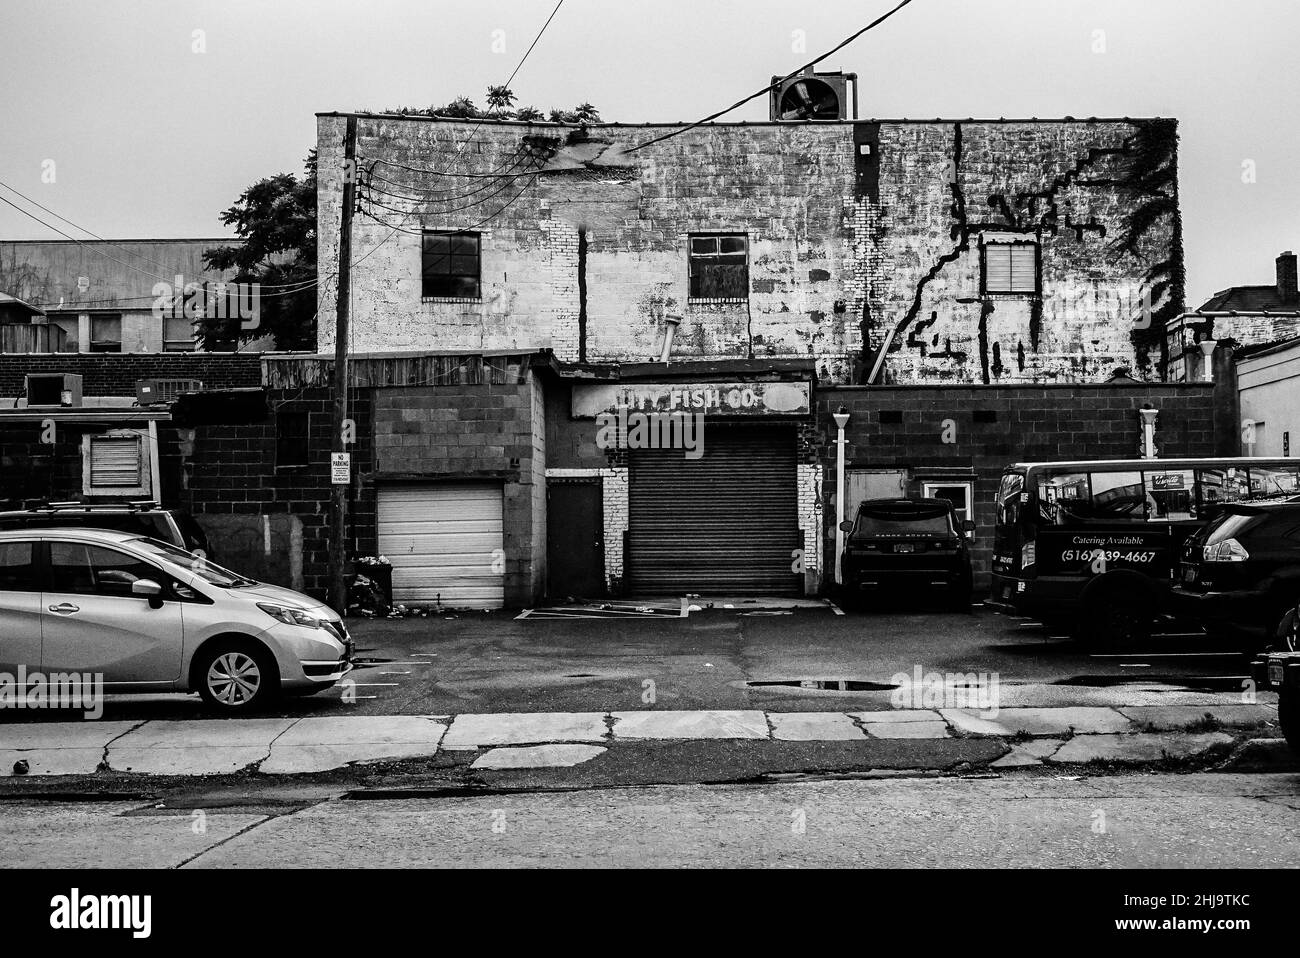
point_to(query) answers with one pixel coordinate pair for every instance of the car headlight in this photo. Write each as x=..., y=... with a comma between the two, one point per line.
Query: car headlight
x=291, y=616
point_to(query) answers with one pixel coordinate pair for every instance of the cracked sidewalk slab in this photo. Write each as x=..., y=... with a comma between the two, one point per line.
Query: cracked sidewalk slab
x=58, y=748
x=537, y=756
x=709, y=723
x=524, y=728
x=814, y=727
x=318, y=744
x=1079, y=720
x=211, y=747
x=1138, y=747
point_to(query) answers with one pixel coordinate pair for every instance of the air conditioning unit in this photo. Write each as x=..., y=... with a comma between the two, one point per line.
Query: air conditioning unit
x=150, y=391
x=814, y=96
x=53, y=389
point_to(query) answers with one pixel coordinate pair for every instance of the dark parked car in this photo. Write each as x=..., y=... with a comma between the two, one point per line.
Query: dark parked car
x=172, y=526
x=1280, y=672
x=1240, y=573
x=899, y=546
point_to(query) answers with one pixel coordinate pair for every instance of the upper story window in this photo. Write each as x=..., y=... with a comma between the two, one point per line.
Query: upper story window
x=106, y=333
x=719, y=266
x=451, y=266
x=1010, y=267
x=178, y=334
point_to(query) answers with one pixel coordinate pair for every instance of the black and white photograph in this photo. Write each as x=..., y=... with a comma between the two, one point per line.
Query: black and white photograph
x=691, y=435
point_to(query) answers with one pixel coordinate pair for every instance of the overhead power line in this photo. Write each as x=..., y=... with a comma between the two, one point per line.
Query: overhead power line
x=394, y=230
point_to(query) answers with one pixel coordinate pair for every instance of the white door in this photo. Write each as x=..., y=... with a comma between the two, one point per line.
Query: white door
x=445, y=542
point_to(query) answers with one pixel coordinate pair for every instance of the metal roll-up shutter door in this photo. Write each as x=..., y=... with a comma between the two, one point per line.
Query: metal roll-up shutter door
x=726, y=523
x=444, y=542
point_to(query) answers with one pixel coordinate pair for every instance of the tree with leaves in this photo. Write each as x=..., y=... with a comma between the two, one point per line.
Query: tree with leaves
x=276, y=218
x=500, y=103
x=500, y=99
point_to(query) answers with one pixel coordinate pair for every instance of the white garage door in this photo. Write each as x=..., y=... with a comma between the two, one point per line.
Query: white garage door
x=445, y=543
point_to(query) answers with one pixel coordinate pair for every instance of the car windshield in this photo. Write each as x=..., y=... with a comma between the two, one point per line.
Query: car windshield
x=208, y=571
x=894, y=521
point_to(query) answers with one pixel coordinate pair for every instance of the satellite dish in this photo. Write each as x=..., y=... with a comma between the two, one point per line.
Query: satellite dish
x=810, y=99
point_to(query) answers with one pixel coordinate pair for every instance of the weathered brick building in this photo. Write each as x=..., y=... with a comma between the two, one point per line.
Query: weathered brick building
x=744, y=272
x=968, y=250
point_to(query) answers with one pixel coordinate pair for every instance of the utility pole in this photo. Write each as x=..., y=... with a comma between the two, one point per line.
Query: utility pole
x=338, y=593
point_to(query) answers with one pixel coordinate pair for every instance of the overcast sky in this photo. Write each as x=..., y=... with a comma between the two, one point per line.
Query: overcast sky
x=152, y=139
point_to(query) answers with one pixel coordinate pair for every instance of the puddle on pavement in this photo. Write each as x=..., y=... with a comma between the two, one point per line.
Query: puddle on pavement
x=826, y=685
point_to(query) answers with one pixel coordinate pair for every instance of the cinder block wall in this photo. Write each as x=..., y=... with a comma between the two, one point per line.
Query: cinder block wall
x=1030, y=424
x=487, y=431
x=231, y=471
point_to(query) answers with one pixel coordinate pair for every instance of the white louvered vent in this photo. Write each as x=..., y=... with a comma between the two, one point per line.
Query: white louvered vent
x=116, y=462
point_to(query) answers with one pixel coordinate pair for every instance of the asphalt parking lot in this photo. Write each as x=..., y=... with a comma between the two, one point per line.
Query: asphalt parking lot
x=809, y=658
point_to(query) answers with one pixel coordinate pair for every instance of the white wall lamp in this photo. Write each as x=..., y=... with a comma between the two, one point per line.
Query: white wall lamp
x=1207, y=350
x=841, y=417
x=1148, y=417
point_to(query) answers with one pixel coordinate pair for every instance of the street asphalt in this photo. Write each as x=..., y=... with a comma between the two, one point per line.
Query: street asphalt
x=739, y=658
x=1142, y=821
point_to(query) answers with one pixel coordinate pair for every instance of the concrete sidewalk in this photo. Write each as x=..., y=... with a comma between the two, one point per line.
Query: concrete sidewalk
x=278, y=746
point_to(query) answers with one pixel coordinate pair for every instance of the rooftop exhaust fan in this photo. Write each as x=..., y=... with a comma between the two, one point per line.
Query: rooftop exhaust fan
x=813, y=96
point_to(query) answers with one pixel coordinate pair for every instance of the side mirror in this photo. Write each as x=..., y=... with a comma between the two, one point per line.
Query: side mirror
x=846, y=525
x=968, y=525
x=149, y=589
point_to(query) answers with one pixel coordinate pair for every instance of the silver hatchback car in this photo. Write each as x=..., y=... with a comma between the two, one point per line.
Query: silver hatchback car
x=148, y=616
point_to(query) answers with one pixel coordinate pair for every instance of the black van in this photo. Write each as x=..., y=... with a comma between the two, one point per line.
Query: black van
x=899, y=546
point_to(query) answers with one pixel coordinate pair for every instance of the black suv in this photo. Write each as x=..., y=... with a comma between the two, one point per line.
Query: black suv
x=1240, y=572
x=1280, y=672
x=907, y=545
x=143, y=518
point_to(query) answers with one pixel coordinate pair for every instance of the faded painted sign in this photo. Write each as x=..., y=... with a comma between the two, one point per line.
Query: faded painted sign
x=713, y=399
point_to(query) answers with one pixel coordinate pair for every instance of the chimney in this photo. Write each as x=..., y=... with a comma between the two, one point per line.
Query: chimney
x=1286, y=278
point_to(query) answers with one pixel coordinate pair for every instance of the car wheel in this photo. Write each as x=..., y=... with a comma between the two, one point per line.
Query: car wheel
x=1118, y=619
x=1288, y=716
x=236, y=677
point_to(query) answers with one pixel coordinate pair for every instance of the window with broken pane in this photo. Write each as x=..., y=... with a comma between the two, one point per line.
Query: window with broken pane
x=451, y=266
x=719, y=266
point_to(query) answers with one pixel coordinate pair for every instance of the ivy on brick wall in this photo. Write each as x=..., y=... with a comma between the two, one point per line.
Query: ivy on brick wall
x=1151, y=174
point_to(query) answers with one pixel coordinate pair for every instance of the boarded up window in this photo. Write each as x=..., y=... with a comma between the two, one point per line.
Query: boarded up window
x=116, y=462
x=450, y=266
x=106, y=333
x=178, y=334
x=719, y=267
x=1011, y=267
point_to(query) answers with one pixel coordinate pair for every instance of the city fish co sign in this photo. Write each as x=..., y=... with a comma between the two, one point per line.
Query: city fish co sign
x=709, y=399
